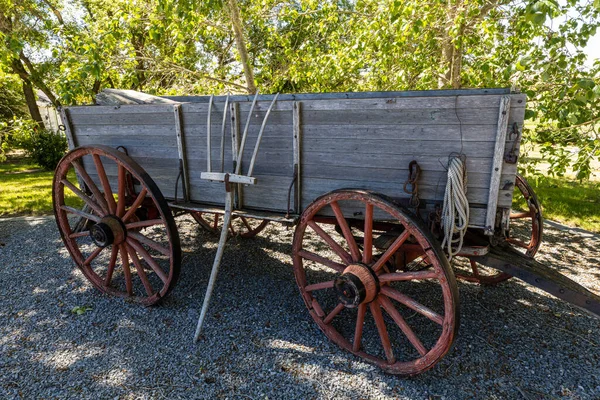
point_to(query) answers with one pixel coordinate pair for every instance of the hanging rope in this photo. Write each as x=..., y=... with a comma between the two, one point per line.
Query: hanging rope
x=455, y=214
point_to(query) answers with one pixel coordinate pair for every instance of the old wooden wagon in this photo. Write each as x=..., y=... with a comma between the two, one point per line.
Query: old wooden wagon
x=374, y=182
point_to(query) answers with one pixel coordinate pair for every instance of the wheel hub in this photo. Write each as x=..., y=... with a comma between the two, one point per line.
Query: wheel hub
x=110, y=230
x=356, y=285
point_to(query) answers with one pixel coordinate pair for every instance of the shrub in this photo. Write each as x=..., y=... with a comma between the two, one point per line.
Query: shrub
x=45, y=147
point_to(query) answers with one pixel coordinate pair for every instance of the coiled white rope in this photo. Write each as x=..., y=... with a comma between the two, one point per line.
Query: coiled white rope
x=455, y=214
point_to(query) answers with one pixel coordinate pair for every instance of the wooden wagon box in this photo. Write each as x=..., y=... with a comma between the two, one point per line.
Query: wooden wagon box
x=383, y=187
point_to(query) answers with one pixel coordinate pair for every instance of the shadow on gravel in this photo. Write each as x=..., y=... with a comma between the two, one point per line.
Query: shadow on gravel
x=61, y=339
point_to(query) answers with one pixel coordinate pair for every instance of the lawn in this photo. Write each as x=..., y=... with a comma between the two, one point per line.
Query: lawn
x=25, y=189
x=569, y=202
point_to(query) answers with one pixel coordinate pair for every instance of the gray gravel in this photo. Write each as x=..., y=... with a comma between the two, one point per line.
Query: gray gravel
x=259, y=341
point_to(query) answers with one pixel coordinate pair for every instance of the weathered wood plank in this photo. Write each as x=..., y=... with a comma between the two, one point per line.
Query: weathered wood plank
x=401, y=117
x=440, y=132
x=398, y=147
x=133, y=117
x=475, y=179
x=121, y=109
x=327, y=159
x=349, y=95
x=449, y=102
x=125, y=130
x=503, y=116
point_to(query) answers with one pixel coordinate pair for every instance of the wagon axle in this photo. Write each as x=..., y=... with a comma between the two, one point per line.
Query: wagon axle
x=110, y=230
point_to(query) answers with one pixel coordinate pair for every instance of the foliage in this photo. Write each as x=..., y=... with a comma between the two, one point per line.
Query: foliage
x=14, y=133
x=45, y=148
x=75, y=49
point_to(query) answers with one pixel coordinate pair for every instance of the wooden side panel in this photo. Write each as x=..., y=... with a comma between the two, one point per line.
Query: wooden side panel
x=146, y=131
x=368, y=144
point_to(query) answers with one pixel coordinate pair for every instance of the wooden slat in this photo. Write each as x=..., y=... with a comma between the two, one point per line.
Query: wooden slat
x=297, y=149
x=496, y=171
x=134, y=117
x=181, y=149
x=121, y=109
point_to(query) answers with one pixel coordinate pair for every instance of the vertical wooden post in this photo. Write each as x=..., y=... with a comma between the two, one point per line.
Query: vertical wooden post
x=297, y=132
x=503, y=115
x=66, y=122
x=235, y=145
x=181, y=150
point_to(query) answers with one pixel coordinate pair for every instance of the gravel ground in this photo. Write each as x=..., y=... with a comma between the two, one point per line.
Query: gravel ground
x=259, y=341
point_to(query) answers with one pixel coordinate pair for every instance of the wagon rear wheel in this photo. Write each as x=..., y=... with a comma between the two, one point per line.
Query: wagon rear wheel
x=525, y=235
x=239, y=226
x=405, y=320
x=131, y=247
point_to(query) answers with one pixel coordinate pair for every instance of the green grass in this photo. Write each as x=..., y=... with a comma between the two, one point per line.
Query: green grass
x=25, y=189
x=569, y=202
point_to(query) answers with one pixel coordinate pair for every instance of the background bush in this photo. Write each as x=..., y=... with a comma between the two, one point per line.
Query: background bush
x=45, y=148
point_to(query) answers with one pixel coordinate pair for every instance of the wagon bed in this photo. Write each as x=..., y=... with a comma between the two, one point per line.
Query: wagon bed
x=292, y=159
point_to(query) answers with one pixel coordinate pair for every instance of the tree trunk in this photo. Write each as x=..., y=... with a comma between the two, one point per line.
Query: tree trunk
x=32, y=104
x=241, y=45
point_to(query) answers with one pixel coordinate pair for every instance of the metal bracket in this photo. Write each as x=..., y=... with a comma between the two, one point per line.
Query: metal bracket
x=511, y=157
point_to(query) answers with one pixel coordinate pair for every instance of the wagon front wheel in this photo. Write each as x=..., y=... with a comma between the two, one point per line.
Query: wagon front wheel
x=131, y=246
x=375, y=281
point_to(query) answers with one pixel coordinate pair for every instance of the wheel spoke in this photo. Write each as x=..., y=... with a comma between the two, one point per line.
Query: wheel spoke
x=346, y=231
x=149, y=259
x=360, y=321
x=79, y=234
x=83, y=214
x=391, y=250
x=337, y=249
x=333, y=313
x=406, y=329
x=88, y=200
x=121, y=191
x=140, y=270
x=383, y=334
x=92, y=256
x=135, y=205
x=521, y=214
x=319, y=286
x=111, y=265
x=126, y=270
x=368, y=239
x=149, y=242
x=475, y=268
x=90, y=184
x=143, y=224
x=413, y=304
x=407, y=276
x=518, y=242
x=108, y=195
x=322, y=260
x=245, y=222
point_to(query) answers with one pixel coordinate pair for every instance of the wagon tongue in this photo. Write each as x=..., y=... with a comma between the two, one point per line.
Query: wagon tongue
x=539, y=275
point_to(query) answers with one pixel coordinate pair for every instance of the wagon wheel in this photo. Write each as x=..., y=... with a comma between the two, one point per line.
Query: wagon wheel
x=345, y=284
x=527, y=236
x=123, y=253
x=239, y=226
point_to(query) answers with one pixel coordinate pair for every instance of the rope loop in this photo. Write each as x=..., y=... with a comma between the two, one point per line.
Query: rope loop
x=455, y=213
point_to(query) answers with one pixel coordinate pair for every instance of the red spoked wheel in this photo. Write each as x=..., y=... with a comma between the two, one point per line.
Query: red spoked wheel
x=382, y=288
x=122, y=252
x=525, y=234
x=239, y=226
